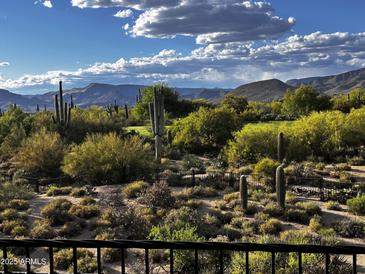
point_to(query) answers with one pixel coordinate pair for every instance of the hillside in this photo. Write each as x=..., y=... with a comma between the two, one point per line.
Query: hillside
x=266, y=90
x=334, y=84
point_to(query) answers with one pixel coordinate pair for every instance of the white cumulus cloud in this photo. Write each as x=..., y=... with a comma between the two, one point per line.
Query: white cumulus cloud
x=124, y=13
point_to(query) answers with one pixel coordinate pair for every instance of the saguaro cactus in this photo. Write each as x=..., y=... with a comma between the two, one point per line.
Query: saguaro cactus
x=157, y=120
x=243, y=192
x=280, y=186
x=126, y=112
x=37, y=108
x=62, y=112
x=169, y=137
x=281, y=148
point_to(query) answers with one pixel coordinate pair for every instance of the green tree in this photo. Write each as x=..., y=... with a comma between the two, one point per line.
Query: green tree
x=237, y=103
x=205, y=130
x=304, y=100
x=41, y=153
x=109, y=159
x=354, y=99
x=12, y=141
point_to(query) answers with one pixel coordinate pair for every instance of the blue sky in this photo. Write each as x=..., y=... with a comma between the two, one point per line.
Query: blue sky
x=210, y=43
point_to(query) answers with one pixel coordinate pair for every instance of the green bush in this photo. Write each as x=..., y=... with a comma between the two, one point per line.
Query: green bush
x=191, y=161
x=179, y=218
x=135, y=189
x=265, y=170
x=19, y=204
x=272, y=226
x=58, y=191
x=19, y=231
x=297, y=216
x=273, y=209
x=350, y=229
x=310, y=208
x=43, y=230
x=332, y=205
x=315, y=224
x=205, y=130
x=71, y=229
x=86, y=261
x=109, y=159
x=14, y=191
x=41, y=153
x=87, y=201
x=183, y=260
x=57, y=211
x=8, y=225
x=78, y=192
x=357, y=205
x=197, y=192
x=84, y=211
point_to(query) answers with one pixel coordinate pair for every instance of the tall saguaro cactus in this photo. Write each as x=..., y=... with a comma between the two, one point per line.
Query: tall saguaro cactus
x=126, y=112
x=157, y=120
x=281, y=147
x=243, y=192
x=280, y=185
x=62, y=112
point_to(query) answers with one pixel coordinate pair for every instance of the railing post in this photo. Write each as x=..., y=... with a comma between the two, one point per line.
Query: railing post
x=27, y=255
x=74, y=258
x=51, y=267
x=221, y=266
x=98, y=256
x=5, y=256
x=273, y=262
x=196, y=266
x=327, y=270
x=171, y=261
x=354, y=264
x=146, y=259
x=300, y=267
x=122, y=260
x=247, y=264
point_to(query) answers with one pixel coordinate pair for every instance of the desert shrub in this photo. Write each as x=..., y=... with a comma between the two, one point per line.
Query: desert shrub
x=273, y=209
x=265, y=169
x=310, y=208
x=333, y=205
x=158, y=195
x=184, y=259
x=19, y=231
x=251, y=209
x=43, y=230
x=350, y=229
x=109, y=159
x=87, y=201
x=8, y=225
x=78, y=192
x=297, y=216
x=71, y=229
x=246, y=226
x=135, y=189
x=232, y=232
x=86, y=262
x=190, y=161
x=231, y=196
x=224, y=217
x=272, y=226
x=127, y=223
x=9, y=214
x=84, y=211
x=178, y=218
x=19, y=204
x=58, y=191
x=344, y=177
x=357, y=205
x=10, y=191
x=41, y=153
x=57, y=211
x=209, y=226
x=258, y=195
x=221, y=204
x=315, y=224
x=197, y=192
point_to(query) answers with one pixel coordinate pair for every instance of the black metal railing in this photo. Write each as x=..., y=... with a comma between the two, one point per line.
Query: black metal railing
x=196, y=247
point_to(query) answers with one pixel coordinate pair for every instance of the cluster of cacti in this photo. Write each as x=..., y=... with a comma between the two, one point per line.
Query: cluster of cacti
x=62, y=117
x=156, y=109
x=112, y=108
x=243, y=192
x=280, y=185
x=37, y=108
x=139, y=96
x=281, y=148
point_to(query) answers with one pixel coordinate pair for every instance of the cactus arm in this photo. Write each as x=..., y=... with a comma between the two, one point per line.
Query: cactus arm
x=152, y=117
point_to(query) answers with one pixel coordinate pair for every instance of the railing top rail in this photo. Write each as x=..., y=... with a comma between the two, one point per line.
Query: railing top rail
x=236, y=246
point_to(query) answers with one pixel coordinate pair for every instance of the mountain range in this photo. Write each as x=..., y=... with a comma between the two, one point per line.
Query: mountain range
x=266, y=90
